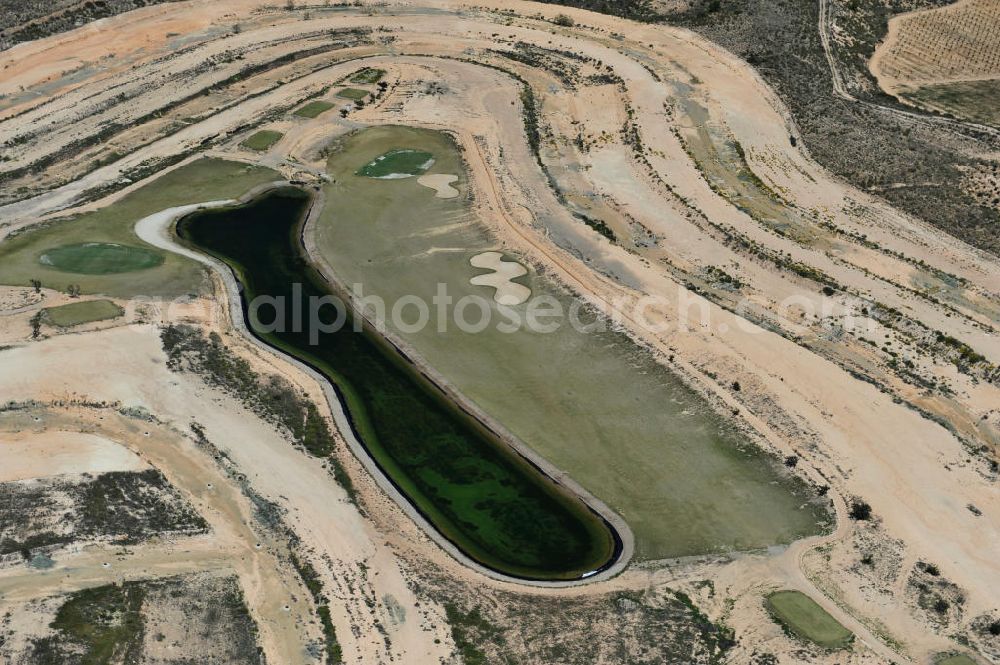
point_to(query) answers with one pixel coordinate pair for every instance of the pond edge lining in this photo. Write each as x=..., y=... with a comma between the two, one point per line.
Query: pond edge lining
x=163, y=237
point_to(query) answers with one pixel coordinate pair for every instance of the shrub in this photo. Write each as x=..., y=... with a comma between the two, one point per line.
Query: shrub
x=860, y=511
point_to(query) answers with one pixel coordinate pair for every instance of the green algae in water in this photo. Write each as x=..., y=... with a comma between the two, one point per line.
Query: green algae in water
x=493, y=505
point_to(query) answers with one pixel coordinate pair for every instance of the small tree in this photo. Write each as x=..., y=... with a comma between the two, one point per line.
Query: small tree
x=36, y=285
x=565, y=21
x=860, y=511
x=36, y=325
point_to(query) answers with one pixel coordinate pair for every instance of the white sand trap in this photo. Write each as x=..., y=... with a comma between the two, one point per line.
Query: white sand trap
x=441, y=184
x=507, y=292
x=57, y=453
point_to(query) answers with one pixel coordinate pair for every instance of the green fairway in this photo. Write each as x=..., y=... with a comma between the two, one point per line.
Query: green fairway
x=803, y=617
x=100, y=258
x=74, y=314
x=971, y=100
x=594, y=404
x=202, y=180
x=368, y=75
x=262, y=140
x=313, y=109
x=398, y=164
x=957, y=659
x=352, y=93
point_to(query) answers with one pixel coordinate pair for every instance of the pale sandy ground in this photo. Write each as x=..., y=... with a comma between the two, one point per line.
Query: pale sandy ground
x=338, y=539
x=55, y=453
x=14, y=299
x=217, y=497
x=850, y=435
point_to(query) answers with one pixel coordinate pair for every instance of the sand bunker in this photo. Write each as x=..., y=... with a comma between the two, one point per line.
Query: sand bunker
x=441, y=184
x=507, y=292
x=58, y=453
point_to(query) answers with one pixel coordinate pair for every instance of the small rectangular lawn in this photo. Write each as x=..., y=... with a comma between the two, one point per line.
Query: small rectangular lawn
x=313, y=109
x=368, y=75
x=262, y=140
x=804, y=618
x=77, y=313
x=353, y=93
x=958, y=659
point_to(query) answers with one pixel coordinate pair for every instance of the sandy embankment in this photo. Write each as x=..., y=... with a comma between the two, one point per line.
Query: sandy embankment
x=26, y=456
x=340, y=540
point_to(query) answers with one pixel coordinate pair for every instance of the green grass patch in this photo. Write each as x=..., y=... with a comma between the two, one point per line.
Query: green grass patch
x=201, y=180
x=313, y=109
x=800, y=615
x=100, y=258
x=105, y=621
x=368, y=76
x=957, y=659
x=966, y=100
x=397, y=164
x=263, y=139
x=353, y=93
x=77, y=313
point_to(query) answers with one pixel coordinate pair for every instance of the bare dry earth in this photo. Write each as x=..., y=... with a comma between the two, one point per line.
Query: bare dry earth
x=341, y=543
x=888, y=410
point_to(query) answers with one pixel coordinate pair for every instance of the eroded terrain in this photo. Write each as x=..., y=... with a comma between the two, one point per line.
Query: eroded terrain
x=638, y=167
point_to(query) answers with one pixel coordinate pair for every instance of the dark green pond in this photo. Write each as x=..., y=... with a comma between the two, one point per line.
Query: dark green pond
x=493, y=505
